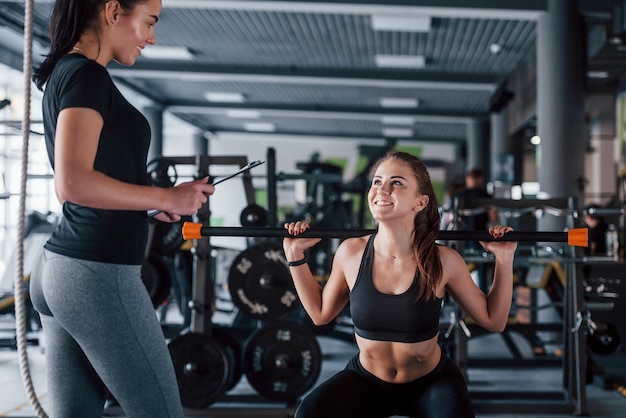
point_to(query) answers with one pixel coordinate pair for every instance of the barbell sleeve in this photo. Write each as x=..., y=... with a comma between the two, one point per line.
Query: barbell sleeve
x=577, y=237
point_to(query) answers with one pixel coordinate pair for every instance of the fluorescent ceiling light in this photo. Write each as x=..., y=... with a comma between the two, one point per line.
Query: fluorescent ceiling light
x=402, y=102
x=397, y=120
x=158, y=52
x=597, y=74
x=400, y=61
x=243, y=114
x=397, y=132
x=259, y=127
x=221, y=97
x=398, y=23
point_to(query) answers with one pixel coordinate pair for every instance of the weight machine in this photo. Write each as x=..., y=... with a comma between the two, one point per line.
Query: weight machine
x=576, y=323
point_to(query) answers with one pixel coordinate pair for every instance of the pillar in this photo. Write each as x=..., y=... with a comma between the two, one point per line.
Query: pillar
x=560, y=104
x=478, y=146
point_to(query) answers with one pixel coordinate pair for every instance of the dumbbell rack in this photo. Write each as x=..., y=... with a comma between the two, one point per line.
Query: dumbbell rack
x=572, y=398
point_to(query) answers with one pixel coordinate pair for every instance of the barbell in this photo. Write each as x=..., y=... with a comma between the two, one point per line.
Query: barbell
x=578, y=237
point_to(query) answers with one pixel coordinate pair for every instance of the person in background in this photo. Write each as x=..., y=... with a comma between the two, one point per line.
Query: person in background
x=447, y=217
x=475, y=188
x=395, y=281
x=101, y=333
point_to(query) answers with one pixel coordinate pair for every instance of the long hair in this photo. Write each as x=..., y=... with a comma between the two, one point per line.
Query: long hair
x=426, y=225
x=68, y=21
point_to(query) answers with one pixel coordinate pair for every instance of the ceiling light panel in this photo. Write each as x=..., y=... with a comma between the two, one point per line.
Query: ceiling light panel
x=400, y=61
x=398, y=23
x=224, y=97
x=397, y=132
x=598, y=74
x=397, y=120
x=399, y=102
x=259, y=127
x=157, y=52
x=243, y=114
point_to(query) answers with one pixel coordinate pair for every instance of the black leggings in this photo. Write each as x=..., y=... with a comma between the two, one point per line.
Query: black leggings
x=356, y=393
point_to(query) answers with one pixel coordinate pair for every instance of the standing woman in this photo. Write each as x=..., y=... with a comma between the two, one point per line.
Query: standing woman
x=395, y=281
x=100, y=328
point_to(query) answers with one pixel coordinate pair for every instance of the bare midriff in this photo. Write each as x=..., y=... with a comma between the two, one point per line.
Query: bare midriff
x=396, y=362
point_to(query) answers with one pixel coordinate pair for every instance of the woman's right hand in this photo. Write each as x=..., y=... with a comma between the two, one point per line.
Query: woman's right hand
x=295, y=247
x=167, y=217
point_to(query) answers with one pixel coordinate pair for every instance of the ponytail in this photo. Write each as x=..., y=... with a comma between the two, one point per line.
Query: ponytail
x=68, y=21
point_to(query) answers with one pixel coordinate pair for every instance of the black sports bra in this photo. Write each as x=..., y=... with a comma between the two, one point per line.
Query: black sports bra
x=386, y=317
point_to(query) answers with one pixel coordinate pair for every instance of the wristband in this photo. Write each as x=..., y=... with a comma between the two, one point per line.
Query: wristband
x=297, y=262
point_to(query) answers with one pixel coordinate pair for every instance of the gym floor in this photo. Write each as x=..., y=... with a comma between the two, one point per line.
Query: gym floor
x=537, y=391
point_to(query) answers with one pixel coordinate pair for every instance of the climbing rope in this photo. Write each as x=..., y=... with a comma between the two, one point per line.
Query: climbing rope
x=20, y=317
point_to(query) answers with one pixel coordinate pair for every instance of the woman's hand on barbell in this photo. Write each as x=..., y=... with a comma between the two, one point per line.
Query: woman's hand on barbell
x=499, y=248
x=295, y=247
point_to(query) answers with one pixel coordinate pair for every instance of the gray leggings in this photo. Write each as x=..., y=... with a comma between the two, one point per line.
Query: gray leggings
x=101, y=332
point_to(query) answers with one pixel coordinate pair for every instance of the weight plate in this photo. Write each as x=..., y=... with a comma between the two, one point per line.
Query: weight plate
x=282, y=360
x=162, y=172
x=201, y=366
x=605, y=340
x=253, y=215
x=260, y=284
x=155, y=275
x=233, y=349
x=168, y=237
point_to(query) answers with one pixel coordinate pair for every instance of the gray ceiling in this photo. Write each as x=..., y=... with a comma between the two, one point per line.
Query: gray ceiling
x=310, y=68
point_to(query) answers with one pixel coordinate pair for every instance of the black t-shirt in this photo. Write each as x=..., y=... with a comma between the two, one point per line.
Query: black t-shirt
x=111, y=236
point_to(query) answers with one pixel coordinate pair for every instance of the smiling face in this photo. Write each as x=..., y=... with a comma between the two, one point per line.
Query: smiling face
x=131, y=30
x=394, y=192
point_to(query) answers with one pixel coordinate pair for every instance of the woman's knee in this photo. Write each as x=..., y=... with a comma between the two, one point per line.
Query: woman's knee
x=306, y=409
x=446, y=397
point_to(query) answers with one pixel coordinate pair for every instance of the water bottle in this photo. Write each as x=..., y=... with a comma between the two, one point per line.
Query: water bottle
x=612, y=242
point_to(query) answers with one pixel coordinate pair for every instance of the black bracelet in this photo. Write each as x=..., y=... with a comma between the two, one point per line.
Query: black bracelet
x=297, y=262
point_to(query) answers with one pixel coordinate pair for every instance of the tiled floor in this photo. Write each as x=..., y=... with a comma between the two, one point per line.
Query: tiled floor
x=541, y=381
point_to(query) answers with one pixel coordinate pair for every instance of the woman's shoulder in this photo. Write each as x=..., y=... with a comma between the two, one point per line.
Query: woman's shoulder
x=353, y=245
x=452, y=263
x=448, y=254
x=349, y=255
x=77, y=65
x=76, y=61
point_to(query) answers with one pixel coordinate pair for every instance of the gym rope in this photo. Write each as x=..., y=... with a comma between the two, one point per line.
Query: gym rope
x=20, y=317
